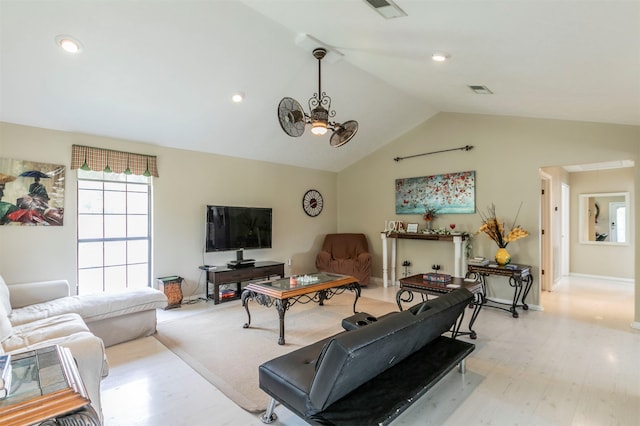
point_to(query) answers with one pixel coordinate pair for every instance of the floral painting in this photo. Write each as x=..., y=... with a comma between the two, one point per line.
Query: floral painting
x=447, y=193
x=31, y=193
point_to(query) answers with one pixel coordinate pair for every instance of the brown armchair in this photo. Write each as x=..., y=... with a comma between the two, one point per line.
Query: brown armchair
x=346, y=254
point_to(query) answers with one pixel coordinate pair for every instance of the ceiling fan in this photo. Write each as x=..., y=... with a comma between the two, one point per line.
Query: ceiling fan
x=293, y=119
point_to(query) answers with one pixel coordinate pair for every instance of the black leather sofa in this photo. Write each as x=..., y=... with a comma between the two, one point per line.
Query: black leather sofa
x=371, y=374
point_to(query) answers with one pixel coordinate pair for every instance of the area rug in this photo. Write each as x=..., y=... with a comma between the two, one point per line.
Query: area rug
x=215, y=344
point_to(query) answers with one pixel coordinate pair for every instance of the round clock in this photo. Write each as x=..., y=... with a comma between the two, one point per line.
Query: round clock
x=312, y=203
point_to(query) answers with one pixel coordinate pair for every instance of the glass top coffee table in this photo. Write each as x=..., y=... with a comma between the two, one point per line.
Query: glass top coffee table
x=286, y=292
x=46, y=387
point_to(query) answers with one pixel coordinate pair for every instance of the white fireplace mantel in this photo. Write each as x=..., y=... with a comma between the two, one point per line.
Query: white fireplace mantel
x=459, y=260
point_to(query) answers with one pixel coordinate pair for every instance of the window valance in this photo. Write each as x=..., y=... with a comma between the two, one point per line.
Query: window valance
x=99, y=159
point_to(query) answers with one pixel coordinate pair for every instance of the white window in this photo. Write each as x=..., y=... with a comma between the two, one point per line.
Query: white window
x=114, y=231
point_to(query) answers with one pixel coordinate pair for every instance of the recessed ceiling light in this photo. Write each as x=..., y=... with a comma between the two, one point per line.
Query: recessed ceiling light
x=440, y=56
x=68, y=43
x=237, y=97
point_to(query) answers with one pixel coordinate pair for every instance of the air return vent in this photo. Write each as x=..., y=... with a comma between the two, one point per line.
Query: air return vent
x=386, y=8
x=480, y=90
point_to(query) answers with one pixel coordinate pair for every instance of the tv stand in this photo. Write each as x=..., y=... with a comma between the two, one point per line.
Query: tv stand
x=222, y=275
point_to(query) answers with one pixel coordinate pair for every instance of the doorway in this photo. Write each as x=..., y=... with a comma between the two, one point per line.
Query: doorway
x=546, y=249
x=617, y=222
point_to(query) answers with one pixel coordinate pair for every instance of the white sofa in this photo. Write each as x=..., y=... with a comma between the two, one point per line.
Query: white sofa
x=34, y=315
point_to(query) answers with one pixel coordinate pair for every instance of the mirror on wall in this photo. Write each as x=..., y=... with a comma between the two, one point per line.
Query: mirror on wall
x=604, y=218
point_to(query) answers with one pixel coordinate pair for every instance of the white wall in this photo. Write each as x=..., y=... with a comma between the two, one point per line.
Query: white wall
x=188, y=182
x=507, y=155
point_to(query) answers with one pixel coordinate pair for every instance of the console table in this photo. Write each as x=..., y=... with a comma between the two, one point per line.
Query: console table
x=520, y=279
x=221, y=275
x=459, y=260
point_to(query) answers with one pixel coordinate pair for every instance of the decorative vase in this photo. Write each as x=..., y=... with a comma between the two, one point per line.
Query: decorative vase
x=503, y=257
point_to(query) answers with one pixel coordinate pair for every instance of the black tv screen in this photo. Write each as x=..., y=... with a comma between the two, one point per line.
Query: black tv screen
x=234, y=228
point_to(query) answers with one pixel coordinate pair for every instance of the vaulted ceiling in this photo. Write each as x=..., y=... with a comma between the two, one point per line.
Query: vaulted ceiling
x=163, y=72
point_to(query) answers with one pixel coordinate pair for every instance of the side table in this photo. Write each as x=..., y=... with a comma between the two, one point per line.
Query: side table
x=172, y=288
x=416, y=283
x=46, y=387
x=520, y=279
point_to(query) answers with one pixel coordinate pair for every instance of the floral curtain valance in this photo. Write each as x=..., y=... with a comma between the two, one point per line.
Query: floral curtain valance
x=99, y=159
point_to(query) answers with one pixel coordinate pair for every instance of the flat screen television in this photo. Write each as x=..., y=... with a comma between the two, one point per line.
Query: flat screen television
x=235, y=228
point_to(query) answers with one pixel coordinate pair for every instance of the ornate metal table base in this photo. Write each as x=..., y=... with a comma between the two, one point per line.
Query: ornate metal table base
x=84, y=417
x=405, y=294
x=282, y=305
x=520, y=279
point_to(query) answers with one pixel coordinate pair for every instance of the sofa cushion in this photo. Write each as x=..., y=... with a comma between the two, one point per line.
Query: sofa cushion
x=288, y=377
x=93, y=307
x=6, y=329
x=441, y=315
x=49, y=330
x=354, y=357
x=5, y=299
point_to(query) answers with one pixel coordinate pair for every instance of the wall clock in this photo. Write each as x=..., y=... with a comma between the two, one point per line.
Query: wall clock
x=312, y=203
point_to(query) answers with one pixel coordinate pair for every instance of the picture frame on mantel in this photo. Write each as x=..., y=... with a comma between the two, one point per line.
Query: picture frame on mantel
x=412, y=227
x=449, y=193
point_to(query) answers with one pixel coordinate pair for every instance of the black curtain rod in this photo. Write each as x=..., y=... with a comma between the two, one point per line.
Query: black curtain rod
x=462, y=148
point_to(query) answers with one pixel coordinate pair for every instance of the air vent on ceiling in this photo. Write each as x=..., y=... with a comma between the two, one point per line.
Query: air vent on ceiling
x=386, y=8
x=480, y=90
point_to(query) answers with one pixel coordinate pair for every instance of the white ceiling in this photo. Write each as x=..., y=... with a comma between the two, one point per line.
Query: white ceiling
x=163, y=72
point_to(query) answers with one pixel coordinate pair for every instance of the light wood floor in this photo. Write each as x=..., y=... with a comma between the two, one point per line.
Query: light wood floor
x=575, y=363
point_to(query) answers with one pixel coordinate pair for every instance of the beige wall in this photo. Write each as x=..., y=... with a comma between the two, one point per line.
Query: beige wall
x=600, y=259
x=188, y=181
x=507, y=156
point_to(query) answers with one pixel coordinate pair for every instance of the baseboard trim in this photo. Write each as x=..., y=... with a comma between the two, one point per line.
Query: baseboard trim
x=635, y=325
x=509, y=302
x=604, y=277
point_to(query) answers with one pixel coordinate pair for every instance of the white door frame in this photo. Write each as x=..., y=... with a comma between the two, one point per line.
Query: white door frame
x=546, y=247
x=565, y=233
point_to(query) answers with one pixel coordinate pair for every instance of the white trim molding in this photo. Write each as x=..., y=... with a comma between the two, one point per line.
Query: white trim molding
x=602, y=277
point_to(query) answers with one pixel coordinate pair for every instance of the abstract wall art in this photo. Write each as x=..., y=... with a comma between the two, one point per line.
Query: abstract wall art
x=446, y=193
x=31, y=193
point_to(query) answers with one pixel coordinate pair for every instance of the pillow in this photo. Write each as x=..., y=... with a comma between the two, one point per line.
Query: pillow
x=6, y=329
x=4, y=296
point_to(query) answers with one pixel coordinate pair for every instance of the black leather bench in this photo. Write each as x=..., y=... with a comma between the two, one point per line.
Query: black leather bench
x=371, y=374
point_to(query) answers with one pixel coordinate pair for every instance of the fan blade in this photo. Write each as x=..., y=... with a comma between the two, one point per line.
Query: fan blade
x=291, y=117
x=344, y=133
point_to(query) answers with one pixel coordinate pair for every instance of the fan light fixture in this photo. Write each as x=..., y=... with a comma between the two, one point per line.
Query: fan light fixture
x=238, y=97
x=293, y=118
x=440, y=56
